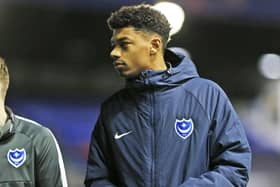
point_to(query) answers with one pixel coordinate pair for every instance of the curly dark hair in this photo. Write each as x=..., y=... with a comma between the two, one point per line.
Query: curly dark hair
x=142, y=17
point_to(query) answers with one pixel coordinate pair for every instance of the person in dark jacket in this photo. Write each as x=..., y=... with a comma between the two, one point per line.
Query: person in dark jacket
x=167, y=127
x=29, y=153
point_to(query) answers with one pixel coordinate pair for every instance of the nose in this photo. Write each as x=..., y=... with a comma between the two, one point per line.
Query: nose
x=115, y=53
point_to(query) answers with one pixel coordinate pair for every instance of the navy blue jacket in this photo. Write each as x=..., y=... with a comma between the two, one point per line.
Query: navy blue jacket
x=169, y=129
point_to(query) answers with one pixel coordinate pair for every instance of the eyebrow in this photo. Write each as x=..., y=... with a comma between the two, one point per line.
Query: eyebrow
x=119, y=40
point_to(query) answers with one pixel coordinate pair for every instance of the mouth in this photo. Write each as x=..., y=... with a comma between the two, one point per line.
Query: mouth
x=119, y=64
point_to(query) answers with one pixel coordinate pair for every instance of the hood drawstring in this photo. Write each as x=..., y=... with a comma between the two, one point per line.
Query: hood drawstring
x=169, y=69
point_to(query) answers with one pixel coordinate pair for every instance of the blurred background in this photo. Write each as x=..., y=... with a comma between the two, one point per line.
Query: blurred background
x=58, y=55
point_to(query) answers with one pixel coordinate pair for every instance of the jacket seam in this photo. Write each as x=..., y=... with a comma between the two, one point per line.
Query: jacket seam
x=197, y=100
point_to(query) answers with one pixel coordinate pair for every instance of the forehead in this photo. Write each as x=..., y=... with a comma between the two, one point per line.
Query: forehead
x=128, y=33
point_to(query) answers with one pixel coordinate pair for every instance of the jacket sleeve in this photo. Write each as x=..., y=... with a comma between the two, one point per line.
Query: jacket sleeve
x=229, y=153
x=50, y=169
x=98, y=172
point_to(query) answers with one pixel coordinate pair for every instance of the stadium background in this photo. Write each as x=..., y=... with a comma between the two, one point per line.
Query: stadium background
x=58, y=55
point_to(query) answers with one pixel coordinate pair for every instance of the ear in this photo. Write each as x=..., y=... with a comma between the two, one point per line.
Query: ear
x=156, y=44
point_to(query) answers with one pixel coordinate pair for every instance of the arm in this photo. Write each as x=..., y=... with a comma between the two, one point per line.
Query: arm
x=50, y=169
x=98, y=171
x=230, y=153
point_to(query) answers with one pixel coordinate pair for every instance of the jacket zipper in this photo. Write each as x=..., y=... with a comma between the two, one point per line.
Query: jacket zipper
x=153, y=183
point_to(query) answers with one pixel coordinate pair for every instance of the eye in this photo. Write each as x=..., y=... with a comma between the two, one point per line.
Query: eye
x=124, y=45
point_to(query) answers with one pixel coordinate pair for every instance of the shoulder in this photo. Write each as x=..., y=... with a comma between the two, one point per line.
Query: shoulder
x=31, y=128
x=201, y=86
x=41, y=137
x=202, y=83
x=207, y=93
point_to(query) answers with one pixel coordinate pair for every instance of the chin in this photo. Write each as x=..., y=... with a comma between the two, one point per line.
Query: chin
x=125, y=74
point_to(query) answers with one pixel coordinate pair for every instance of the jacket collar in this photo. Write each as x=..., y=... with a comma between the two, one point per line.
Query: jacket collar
x=180, y=69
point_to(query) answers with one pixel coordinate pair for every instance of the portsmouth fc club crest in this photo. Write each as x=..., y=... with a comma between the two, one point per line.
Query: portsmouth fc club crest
x=184, y=127
x=16, y=157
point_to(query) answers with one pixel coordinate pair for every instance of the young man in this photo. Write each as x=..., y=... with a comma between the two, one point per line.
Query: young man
x=29, y=153
x=168, y=127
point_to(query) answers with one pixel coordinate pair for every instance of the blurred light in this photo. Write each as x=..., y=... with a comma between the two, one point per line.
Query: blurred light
x=174, y=14
x=269, y=66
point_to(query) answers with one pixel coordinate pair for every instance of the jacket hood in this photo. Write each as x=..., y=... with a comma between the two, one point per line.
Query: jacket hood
x=180, y=69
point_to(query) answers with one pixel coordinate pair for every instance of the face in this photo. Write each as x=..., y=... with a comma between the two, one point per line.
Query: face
x=131, y=51
x=4, y=79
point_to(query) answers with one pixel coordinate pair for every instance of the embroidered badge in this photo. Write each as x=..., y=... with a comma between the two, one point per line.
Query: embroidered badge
x=16, y=157
x=184, y=128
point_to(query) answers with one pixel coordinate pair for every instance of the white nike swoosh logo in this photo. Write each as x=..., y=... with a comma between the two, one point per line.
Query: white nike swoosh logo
x=118, y=136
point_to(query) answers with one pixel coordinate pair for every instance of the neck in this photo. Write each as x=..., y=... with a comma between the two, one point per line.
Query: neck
x=3, y=115
x=158, y=63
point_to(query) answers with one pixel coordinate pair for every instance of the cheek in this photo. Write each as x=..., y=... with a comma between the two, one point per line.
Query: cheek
x=142, y=53
x=138, y=56
x=140, y=59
